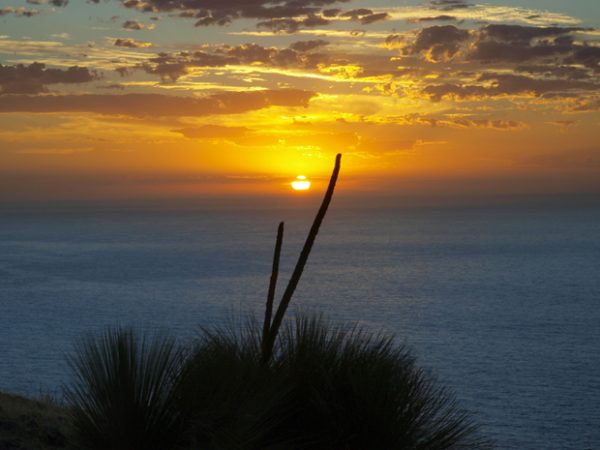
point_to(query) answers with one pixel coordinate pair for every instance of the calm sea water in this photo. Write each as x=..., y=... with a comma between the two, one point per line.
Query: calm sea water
x=502, y=305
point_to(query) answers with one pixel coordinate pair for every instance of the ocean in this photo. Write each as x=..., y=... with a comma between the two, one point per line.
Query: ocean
x=501, y=305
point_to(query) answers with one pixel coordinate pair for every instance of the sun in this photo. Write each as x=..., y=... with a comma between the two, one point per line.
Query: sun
x=300, y=183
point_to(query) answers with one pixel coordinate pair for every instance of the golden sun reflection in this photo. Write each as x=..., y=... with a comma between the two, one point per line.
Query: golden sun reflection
x=300, y=183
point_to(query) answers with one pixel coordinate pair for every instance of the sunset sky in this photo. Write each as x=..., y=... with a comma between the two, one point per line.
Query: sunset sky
x=133, y=99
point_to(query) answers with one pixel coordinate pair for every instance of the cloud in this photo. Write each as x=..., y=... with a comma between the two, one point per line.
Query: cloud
x=497, y=124
x=282, y=16
x=526, y=61
x=131, y=43
x=291, y=25
x=18, y=12
x=438, y=43
x=501, y=43
x=30, y=47
x=555, y=47
x=584, y=105
x=33, y=78
x=170, y=66
x=137, y=25
x=394, y=41
x=519, y=33
x=117, y=86
x=459, y=121
x=52, y=2
x=516, y=43
x=494, y=51
x=372, y=18
x=563, y=125
x=449, y=5
x=306, y=46
x=440, y=18
x=364, y=16
x=485, y=13
x=586, y=55
x=298, y=55
x=555, y=71
x=157, y=105
x=61, y=36
x=225, y=11
x=496, y=85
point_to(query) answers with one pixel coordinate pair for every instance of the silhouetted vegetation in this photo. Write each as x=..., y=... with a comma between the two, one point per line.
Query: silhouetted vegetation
x=325, y=387
x=124, y=396
x=302, y=384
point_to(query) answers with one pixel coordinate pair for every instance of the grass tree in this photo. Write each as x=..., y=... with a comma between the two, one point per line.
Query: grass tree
x=124, y=394
x=319, y=386
x=303, y=384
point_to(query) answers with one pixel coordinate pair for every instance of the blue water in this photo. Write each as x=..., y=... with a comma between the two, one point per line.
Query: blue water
x=502, y=305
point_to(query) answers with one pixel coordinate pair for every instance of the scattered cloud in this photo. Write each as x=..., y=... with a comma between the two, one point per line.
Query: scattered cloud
x=131, y=43
x=204, y=13
x=496, y=85
x=34, y=78
x=21, y=11
x=137, y=25
x=584, y=105
x=438, y=43
x=292, y=25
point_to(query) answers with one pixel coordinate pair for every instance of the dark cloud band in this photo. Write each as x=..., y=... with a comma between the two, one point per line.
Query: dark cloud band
x=34, y=78
x=146, y=105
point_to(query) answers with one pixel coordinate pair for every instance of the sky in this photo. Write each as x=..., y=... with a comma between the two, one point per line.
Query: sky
x=167, y=99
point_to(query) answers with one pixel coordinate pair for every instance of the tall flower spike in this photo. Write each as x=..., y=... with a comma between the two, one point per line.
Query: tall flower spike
x=272, y=286
x=295, y=278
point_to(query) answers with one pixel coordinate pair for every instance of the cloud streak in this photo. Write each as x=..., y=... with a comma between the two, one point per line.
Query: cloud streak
x=149, y=105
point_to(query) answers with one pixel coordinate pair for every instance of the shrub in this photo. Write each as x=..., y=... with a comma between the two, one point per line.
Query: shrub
x=232, y=398
x=357, y=390
x=325, y=387
x=124, y=394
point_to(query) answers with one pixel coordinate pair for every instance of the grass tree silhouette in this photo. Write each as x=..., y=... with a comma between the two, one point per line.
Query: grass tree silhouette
x=325, y=386
x=288, y=384
x=124, y=394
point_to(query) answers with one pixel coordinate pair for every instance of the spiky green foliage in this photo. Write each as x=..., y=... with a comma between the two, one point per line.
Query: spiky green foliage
x=124, y=396
x=326, y=387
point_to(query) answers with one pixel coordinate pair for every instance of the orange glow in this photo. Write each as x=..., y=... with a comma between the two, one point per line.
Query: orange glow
x=252, y=108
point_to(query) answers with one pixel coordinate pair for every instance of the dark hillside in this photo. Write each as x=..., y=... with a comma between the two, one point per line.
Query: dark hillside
x=27, y=424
